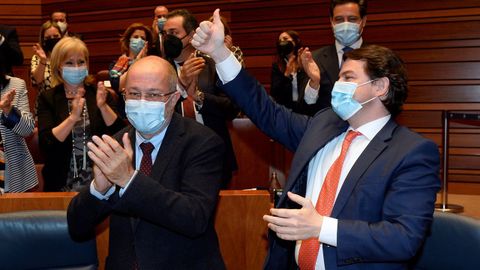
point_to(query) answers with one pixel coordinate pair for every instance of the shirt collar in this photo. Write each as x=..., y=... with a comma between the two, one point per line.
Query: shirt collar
x=156, y=140
x=339, y=47
x=370, y=129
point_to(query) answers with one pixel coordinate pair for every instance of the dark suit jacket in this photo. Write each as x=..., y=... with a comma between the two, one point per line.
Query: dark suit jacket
x=53, y=110
x=216, y=111
x=10, y=52
x=386, y=203
x=165, y=219
x=281, y=90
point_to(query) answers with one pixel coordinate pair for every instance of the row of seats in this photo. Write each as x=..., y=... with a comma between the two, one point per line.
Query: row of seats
x=40, y=240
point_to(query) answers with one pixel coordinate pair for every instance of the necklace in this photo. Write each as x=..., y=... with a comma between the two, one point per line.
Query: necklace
x=84, y=145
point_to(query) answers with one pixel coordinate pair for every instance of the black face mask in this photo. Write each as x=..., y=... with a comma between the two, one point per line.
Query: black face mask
x=284, y=48
x=48, y=44
x=172, y=46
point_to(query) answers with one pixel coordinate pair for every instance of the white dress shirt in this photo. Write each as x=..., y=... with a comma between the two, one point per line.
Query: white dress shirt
x=318, y=168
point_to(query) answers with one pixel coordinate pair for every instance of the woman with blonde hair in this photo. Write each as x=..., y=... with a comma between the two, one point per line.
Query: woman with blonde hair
x=69, y=114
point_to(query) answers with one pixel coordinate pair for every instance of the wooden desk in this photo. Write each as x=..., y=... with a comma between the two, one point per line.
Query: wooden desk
x=238, y=221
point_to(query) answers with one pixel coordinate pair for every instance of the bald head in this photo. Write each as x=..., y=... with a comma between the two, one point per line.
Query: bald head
x=154, y=71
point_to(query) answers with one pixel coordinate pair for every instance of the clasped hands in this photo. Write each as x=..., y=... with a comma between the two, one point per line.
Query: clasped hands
x=295, y=224
x=189, y=74
x=112, y=162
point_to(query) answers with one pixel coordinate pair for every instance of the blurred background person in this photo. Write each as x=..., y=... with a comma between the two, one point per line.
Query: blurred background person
x=60, y=17
x=292, y=69
x=159, y=19
x=40, y=71
x=10, y=51
x=202, y=99
x=135, y=44
x=17, y=170
x=69, y=114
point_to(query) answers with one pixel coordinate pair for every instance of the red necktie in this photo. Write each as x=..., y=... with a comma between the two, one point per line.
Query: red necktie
x=309, y=249
x=188, y=110
x=146, y=163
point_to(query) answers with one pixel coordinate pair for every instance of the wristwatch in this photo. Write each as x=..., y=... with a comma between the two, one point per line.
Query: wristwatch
x=199, y=97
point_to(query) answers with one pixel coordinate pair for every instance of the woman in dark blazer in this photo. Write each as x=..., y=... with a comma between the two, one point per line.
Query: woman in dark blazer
x=69, y=114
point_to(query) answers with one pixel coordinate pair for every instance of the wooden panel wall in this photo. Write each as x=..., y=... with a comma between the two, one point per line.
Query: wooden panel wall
x=439, y=41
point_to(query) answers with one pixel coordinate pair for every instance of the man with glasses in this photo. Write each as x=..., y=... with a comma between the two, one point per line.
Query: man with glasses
x=158, y=181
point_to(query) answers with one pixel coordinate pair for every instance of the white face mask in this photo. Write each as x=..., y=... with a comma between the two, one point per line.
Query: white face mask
x=346, y=33
x=63, y=26
x=148, y=117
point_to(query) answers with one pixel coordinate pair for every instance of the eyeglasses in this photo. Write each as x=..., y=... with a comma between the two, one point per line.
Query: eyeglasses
x=148, y=96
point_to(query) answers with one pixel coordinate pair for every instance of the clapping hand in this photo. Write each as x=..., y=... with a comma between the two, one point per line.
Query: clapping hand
x=310, y=67
x=113, y=160
x=6, y=102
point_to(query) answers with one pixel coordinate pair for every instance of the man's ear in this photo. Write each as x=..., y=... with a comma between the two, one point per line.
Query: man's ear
x=382, y=85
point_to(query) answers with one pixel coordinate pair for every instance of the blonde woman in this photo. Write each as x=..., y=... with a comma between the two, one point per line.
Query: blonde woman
x=69, y=114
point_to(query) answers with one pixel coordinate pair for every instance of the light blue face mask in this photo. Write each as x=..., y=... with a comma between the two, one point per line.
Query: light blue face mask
x=74, y=75
x=346, y=33
x=136, y=45
x=148, y=117
x=343, y=103
x=160, y=23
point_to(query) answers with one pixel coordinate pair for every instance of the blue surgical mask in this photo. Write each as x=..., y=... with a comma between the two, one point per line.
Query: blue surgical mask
x=148, y=117
x=74, y=75
x=343, y=103
x=346, y=33
x=160, y=23
x=136, y=45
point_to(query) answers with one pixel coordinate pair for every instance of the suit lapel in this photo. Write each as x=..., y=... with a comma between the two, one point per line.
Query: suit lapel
x=321, y=131
x=330, y=60
x=369, y=155
x=169, y=146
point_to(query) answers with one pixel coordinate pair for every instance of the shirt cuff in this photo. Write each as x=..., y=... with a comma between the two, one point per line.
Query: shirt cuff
x=311, y=94
x=122, y=190
x=182, y=90
x=328, y=233
x=99, y=195
x=12, y=119
x=228, y=69
x=2, y=39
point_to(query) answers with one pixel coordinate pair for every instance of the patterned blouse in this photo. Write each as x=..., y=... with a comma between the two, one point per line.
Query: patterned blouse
x=45, y=84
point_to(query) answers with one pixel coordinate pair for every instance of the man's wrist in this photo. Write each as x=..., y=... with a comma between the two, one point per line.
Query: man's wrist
x=220, y=54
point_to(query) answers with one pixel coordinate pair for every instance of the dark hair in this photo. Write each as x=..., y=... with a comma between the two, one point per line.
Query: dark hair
x=59, y=11
x=298, y=44
x=382, y=62
x=125, y=39
x=3, y=75
x=362, y=6
x=189, y=22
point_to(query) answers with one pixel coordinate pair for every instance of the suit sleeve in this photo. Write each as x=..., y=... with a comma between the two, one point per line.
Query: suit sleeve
x=189, y=210
x=406, y=214
x=84, y=212
x=275, y=120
